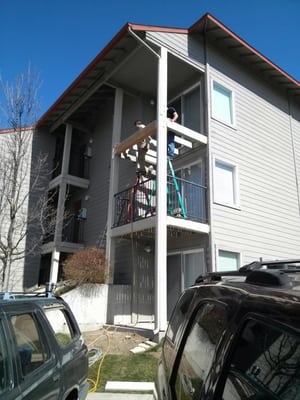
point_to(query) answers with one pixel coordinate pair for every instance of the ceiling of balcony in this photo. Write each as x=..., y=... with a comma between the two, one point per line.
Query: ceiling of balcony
x=127, y=63
x=130, y=66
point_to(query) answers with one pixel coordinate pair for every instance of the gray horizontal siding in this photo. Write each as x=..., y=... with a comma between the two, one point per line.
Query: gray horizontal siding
x=181, y=44
x=97, y=203
x=267, y=224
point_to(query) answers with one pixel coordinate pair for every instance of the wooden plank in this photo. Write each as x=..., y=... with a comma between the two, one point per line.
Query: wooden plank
x=186, y=132
x=149, y=130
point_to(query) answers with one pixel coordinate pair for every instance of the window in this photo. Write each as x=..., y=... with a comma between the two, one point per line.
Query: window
x=265, y=365
x=179, y=315
x=176, y=326
x=222, y=104
x=61, y=325
x=32, y=349
x=225, y=183
x=228, y=261
x=199, y=349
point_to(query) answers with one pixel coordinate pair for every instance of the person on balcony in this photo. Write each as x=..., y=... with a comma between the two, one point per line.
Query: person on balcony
x=142, y=148
x=172, y=116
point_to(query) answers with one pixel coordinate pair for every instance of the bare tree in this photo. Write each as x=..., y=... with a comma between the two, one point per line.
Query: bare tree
x=26, y=213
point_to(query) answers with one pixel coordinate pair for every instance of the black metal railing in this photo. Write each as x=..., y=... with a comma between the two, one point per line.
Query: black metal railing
x=184, y=200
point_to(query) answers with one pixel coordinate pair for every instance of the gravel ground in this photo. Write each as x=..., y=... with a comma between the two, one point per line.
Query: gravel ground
x=113, y=339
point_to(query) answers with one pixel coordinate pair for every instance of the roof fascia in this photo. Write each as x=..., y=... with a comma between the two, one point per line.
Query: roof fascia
x=214, y=20
x=97, y=59
x=90, y=66
x=12, y=130
x=153, y=28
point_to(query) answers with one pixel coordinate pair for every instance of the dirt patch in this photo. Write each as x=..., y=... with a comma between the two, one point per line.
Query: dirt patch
x=113, y=340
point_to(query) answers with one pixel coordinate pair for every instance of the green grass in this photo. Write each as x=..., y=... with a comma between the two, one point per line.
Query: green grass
x=132, y=367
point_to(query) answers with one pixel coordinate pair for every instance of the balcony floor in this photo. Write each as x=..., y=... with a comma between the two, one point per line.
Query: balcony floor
x=149, y=223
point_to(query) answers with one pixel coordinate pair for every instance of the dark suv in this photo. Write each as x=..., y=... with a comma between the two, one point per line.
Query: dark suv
x=235, y=336
x=42, y=353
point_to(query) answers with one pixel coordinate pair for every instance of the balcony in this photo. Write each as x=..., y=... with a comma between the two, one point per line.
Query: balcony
x=186, y=200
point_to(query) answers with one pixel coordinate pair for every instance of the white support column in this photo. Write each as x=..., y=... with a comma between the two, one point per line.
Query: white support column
x=161, y=211
x=114, y=178
x=54, y=266
x=61, y=203
x=209, y=158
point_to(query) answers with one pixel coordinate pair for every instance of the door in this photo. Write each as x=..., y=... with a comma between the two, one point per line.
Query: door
x=173, y=281
x=182, y=270
x=9, y=389
x=193, y=266
x=71, y=348
x=188, y=107
x=35, y=360
x=191, y=109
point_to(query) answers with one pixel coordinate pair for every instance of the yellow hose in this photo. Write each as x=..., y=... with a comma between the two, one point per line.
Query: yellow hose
x=94, y=383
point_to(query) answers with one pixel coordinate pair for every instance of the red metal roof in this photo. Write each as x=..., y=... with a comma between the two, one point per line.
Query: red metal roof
x=199, y=26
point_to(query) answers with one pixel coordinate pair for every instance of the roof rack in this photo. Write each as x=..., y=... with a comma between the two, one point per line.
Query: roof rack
x=49, y=288
x=290, y=264
x=268, y=278
x=269, y=273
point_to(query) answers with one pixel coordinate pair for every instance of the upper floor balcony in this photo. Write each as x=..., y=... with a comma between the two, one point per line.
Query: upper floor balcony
x=186, y=199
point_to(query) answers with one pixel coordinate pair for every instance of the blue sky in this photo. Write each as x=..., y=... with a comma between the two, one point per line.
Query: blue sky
x=60, y=37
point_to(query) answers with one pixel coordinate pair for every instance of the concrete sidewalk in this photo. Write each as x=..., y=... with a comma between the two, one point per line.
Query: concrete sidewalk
x=119, y=396
x=116, y=390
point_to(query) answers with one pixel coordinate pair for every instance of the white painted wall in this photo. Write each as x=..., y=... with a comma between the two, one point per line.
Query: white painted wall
x=94, y=305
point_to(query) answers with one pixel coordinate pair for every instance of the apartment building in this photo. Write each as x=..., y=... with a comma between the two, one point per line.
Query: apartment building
x=229, y=195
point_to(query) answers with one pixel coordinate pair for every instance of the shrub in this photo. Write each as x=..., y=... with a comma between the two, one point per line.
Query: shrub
x=88, y=265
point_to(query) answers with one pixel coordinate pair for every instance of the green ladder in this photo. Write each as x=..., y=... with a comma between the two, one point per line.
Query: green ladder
x=183, y=212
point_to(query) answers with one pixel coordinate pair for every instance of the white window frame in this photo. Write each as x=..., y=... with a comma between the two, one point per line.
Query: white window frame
x=235, y=194
x=227, y=250
x=227, y=89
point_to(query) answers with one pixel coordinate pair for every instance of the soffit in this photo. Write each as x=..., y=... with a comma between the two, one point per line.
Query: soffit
x=129, y=65
x=229, y=42
x=89, y=91
x=126, y=63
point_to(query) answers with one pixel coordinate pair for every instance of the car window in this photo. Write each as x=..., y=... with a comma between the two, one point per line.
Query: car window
x=32, y=350
x=265, y=365
x=175, y=328
x=3, y=361
x=196, y=358
x=61, y=324
x=178, y=316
